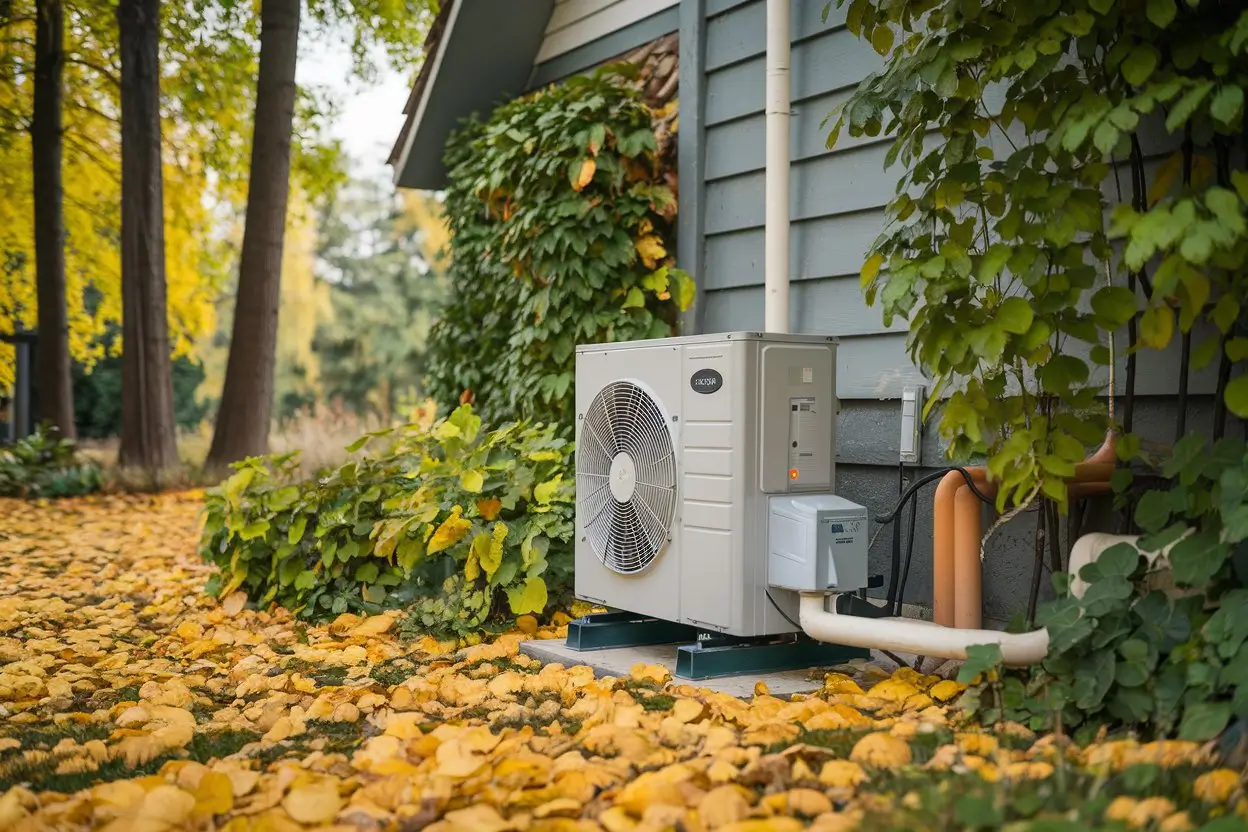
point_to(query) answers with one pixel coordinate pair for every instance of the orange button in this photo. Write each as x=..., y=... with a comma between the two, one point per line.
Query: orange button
x=792, y=473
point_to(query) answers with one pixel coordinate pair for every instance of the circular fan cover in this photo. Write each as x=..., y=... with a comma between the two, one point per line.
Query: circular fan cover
x=625, y=477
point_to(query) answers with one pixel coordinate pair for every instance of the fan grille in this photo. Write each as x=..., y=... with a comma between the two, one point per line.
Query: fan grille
x=625, y=478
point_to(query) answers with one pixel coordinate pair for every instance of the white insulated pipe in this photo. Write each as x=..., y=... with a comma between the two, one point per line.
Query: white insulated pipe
x=776, y=192
x=924, y=638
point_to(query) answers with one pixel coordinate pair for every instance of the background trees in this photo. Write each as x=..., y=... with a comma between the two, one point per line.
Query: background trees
x=204, y=99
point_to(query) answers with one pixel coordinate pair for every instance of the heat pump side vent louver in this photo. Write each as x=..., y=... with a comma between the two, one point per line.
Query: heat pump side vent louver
x=626, y=477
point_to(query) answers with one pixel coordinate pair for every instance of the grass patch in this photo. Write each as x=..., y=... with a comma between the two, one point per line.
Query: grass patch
x=41, y=775
x=340, y=737
x=657, y=702
x=394, y=672
x=923, y=746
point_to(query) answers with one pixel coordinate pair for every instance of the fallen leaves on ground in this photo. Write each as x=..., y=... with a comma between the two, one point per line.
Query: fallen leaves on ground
x=131, y=701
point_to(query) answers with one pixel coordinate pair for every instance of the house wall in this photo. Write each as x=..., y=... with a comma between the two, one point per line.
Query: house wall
x=584, y=33
x=837, y=199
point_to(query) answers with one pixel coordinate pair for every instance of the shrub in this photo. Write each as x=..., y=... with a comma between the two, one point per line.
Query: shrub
x=44, y=465
x=562, y=225
x=456, y=524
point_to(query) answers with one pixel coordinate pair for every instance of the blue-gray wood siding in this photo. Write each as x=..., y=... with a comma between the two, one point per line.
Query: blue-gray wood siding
x=836, y=201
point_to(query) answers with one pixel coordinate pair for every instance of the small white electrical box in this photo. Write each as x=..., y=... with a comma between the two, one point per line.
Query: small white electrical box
x=912, y=425
x=815, y=543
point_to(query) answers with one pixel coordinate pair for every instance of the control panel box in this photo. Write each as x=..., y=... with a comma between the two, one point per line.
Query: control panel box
x=816, y=543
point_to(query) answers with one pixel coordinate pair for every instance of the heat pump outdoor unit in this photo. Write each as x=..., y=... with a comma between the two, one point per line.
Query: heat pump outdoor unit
x=705, y=470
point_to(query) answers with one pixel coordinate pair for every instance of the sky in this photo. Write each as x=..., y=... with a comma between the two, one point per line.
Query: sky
x=372, y=111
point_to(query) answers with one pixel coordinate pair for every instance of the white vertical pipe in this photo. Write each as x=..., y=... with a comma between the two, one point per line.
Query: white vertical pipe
x=776, y=235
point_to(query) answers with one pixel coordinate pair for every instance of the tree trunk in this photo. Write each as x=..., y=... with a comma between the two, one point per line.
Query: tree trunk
x=242, y=428
x=148, y=435
x=52, y=377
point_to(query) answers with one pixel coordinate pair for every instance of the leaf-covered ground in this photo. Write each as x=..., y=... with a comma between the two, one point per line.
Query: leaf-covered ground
x=129, y=701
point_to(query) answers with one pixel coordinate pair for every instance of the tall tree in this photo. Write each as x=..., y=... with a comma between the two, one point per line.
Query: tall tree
x=52, y=365
x=148, y=438
x=246, y=409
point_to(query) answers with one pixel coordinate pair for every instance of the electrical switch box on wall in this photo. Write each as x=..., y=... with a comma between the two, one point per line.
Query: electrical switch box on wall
x=912, y=425
x=816, y=542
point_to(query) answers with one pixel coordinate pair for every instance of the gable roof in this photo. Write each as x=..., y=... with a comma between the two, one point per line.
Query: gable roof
x=478, y=53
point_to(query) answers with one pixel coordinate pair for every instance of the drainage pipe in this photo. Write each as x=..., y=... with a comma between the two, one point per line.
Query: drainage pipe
x=906, y=635
x=776, y=233
x=923, y=638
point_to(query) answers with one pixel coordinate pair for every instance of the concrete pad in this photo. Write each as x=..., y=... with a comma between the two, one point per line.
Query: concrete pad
x=620, y=661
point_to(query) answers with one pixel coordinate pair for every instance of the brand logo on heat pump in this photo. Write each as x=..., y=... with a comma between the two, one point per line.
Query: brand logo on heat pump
x=706, y=381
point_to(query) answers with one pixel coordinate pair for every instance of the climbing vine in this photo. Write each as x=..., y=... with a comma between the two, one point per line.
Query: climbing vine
x=562, y=219
x=1072, y=203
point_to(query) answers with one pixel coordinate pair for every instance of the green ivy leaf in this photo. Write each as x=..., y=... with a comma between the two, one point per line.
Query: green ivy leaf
x=1015, y=315
x=1204, y=720
x=980, y=658
x=1157, y=326
x=297, y=527
x=1227, y=629
x=1197, y=558
x=1236, y=396
x=253, y=530
x=1094, y=677
x=1140, y=63
x=1161, y=13
x=1227, y=105
x=1105, y=595
x=1114, y=305
x=1187, y=105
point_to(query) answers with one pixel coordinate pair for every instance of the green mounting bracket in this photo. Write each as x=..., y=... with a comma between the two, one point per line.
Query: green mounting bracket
x=721, y=655
x=602, y=631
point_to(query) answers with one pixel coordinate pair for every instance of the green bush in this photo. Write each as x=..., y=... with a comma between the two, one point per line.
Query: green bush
x=455, y=524
x=562, y=228
x=43, y=465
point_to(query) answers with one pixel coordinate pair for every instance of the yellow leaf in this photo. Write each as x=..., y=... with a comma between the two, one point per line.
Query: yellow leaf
x=584, y=174
x=456, y=759
x=472, y=480
x=316, y=803
x=881, y=751
x=489, y=509
x=655, y=673
x=451, y=531
x=491, y=557
x=373, y=626
x=1157, y=326
x=477, y=818
x=234, y=603
x=165, y=807
x=526, y=624
x=841, y=774
x=545, y=492
x=214, y=795
x=651, y=250
x=723, y=805
x=472, y=566
x=761, y=689
x=1164, y=178
x=870, y=269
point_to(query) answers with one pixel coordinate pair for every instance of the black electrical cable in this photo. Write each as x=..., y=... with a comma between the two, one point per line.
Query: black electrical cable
x=905, y=570
x=896, y=588
x=783, y=614
x=935, y=475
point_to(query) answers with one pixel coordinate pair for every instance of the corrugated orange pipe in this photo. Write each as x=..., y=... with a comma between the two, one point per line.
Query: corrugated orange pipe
x=957, y=534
